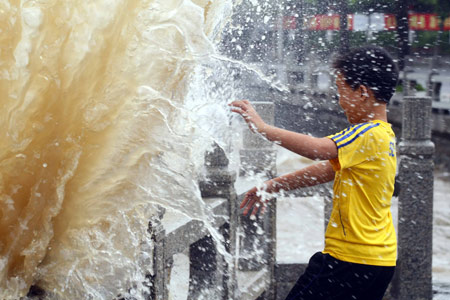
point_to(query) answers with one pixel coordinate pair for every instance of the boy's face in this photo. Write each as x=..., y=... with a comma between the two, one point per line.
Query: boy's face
x=350, y=100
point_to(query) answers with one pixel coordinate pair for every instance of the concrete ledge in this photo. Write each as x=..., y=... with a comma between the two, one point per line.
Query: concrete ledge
x=182, y=231
x=220, y=208
x=252, y=284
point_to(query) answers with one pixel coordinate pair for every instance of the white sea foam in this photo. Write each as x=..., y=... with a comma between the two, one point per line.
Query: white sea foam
x=96, y=133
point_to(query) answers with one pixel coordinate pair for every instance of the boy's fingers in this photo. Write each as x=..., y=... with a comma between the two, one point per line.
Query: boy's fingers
x=244, y=202
x=248, y=207
x=243, y=104
x=237, y=110
x=255, y=209
x=247, y=198
x=240, y=101
x=250, y=201
x=239, y=104
x=263, y=209
x=253, y=203
x=242, y=113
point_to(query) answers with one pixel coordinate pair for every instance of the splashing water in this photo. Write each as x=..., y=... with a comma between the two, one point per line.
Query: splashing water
x=94, y=133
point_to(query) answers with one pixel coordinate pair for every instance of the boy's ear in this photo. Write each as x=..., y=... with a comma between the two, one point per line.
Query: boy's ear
x=364, y=92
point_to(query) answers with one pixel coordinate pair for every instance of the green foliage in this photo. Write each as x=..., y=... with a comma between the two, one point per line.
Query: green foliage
x=418, y=87
x=444, y=45
x=426, y=41
x=425, y=6
x=374, y=5
x=440, y=7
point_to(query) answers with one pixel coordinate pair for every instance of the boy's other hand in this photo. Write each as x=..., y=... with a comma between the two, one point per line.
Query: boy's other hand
x=246, y=110
x=253, y=202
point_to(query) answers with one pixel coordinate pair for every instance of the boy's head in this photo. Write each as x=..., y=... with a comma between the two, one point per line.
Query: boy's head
x=371, y=67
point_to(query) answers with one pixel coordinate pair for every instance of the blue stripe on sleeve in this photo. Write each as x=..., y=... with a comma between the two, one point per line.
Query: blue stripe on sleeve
x=358, y=135
x=339, y=134
x=351, y=132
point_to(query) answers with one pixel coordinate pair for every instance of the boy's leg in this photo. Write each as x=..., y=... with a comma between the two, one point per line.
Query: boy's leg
x=329, y=278
x=323, y=278
x=375, y=281
x=365, y=282
x=313, y=270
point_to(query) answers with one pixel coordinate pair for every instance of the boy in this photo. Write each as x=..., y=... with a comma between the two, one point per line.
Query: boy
x=360, y=252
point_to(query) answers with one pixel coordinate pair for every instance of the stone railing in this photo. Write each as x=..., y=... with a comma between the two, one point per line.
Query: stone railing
x=212, y=272
x=413, y=279
x=216, y=271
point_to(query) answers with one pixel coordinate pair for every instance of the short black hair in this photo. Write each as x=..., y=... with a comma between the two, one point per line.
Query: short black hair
x=371, y=66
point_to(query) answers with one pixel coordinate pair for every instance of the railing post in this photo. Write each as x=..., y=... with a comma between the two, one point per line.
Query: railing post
x=413, y=280
x=160, y=277
x=219, y=182
x=258, y=155
x=258, y=245
x=314, y=80
x=271, y=231
x=206, y=270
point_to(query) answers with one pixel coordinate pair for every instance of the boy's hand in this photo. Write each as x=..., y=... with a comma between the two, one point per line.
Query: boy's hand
x=253, y=200
x=246, y=110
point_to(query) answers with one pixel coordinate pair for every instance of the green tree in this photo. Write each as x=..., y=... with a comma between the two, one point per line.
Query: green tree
x=366, y=6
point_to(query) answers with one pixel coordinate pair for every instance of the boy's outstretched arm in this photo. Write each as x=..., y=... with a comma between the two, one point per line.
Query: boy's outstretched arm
x=302, y=144
x=313, y=175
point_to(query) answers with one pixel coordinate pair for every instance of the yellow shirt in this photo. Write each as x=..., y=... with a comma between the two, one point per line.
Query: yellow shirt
x=360, y=229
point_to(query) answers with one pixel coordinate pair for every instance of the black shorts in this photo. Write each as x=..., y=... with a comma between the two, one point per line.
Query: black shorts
x=327, y=278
